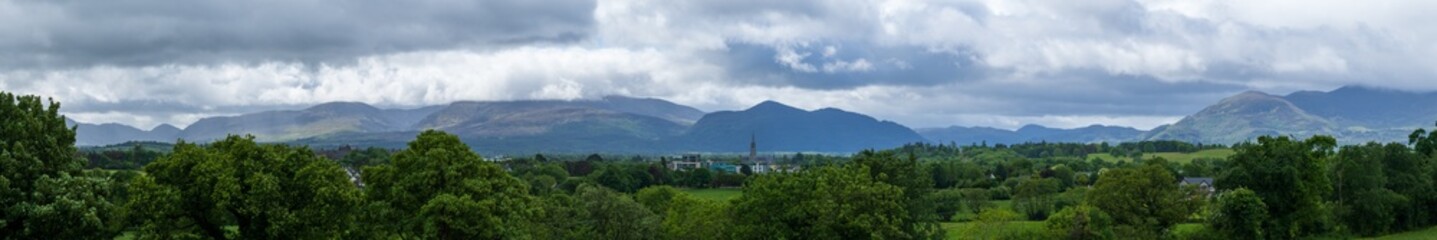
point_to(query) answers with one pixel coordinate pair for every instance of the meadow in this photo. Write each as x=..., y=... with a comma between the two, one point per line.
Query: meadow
x=1176, y=157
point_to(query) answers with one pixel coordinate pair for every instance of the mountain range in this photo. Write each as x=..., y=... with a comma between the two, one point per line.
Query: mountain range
x=641, y=125
x=610, y=124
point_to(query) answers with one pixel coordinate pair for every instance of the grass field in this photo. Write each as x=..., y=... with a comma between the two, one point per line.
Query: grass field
x=1429, y=233
x=1176, y=157
x=964, y=230
x=717, y=194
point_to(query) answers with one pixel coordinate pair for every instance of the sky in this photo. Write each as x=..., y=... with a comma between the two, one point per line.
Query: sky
x=996, y=63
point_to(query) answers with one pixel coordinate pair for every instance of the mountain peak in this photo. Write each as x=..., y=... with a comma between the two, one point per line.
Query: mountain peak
x=770, y=105
x=165, y=127
x=342, y=107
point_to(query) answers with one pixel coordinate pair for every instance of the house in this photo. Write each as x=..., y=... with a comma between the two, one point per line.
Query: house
x=1203, y=184
x=724, y=167
x=686, y=162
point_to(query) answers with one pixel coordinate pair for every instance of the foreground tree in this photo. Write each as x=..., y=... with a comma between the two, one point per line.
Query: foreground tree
x=1144, y=200
x=265, y=191
x=691, y=218
x=905, y=173
x=1081, y=222
x=438, y=188
x=1240, y=215
x=821, y=203
x=607, y=214
x=1291, y=179
x=1035, y=198
x=43, y=192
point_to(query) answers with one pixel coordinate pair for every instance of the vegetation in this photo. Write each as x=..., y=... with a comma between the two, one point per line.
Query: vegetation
x=438, y=188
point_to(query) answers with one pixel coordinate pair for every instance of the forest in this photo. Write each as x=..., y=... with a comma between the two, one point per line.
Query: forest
x=1276, y=187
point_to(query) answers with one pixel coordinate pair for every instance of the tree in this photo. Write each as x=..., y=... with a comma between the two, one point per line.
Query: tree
x=606, y=214
x=265, y=191
x=1146, y=199
x=1291, y=179
x=658, y=198
x=820, y=203
x=614, y=177
x=1081, y=222
x=976, y=199
x=1241, y=214
x=429, y=189
x=990, y=224
x=691, y=218
x=948, y=202
x=43, y=192
x=905, y=173
x=1035, y=197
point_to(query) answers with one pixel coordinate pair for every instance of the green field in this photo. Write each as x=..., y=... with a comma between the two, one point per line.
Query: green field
x=716, y=194
x=965, y=230
x=1176, y=157
x=1429, y=233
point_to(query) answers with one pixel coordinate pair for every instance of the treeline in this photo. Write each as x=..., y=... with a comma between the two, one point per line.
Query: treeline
x=1079, y=150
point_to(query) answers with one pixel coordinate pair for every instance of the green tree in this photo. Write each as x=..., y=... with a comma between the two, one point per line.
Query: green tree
x=615, y=177
x=658, y=198
x=820, y=203
x=907, y=174
x=1241, y=214
x=976, y=199
x=265, y=191
x=1035, y=197
x=606, y=214
x=1291, y=179
x=429, y=189
x=1146, y=199
x=948, y=202
x=1081, y=222
x=43, y=192
x=690, y=218
x=990, y=224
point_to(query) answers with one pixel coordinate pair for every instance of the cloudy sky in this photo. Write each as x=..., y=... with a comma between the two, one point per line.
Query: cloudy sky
x=1000, y=63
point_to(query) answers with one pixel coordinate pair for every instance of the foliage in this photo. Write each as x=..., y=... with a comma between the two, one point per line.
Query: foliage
x=1035, y=197
x=947, y=202
x=1290, y=178
x=265, y=191
x=417, y=193
x=1241, y=214
x=990, y=223
x=821, y=203
x=43, y=192
x=1145, y=200
x=1081, y=222
x=692, y=218
x=658, y=198
x=606, y=214
x=976, y=199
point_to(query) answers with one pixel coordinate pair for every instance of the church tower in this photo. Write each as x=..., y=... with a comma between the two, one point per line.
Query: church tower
x=752, y=148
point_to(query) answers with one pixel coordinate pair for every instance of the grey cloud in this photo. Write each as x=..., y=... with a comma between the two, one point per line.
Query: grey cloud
x=147, y=32
x=819, y=69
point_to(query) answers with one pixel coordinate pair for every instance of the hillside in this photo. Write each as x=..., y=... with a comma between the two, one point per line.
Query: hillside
x=1030, y=133
x=1244, y=117
x=779, y=127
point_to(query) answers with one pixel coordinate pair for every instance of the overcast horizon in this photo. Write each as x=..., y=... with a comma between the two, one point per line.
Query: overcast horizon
x=994, y=63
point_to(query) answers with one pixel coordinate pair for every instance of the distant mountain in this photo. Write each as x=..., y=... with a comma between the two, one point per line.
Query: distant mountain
x=533, y=126
x=1030, y=133
x=779, y=127
x=619, y=123
x=110, y=133
x=319, y=120
x=1370, y=108
x=1244, y=117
